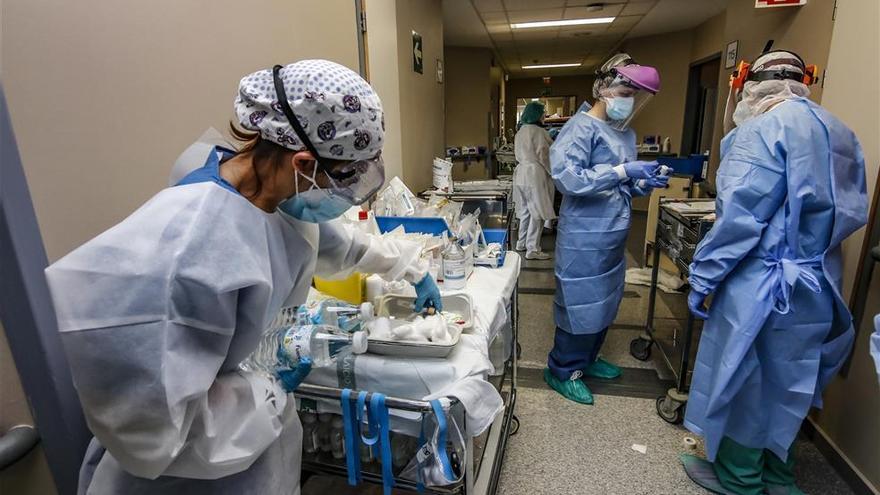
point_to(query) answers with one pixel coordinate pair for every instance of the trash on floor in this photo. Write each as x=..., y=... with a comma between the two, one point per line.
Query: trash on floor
x=641, y=449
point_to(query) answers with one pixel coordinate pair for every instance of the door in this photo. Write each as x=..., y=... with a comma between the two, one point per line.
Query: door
x=700, y=106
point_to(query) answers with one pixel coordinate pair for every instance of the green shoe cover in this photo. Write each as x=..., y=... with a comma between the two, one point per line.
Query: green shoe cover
x=575, y=390
x=603, y=369
x=701, y=472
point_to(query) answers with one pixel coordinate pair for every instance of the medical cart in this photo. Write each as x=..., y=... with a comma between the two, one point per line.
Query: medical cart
x=681, y=225
x=484, y=454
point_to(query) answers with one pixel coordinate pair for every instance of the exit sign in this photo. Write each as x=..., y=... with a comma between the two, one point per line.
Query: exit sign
x=763, y=4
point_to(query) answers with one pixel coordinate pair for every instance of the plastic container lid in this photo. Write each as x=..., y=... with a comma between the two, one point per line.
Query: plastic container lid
x=359, y=342
x=363, y=215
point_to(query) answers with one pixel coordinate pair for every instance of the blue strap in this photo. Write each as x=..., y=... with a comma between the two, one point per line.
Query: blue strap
x=379, y=413
x=352, y=435
x=372, y=426
x=787, y=273
x=443, y=457
x=420, y=477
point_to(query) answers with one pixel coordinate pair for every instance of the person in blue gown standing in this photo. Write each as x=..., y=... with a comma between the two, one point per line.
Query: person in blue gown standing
x=791, y=188
x=593, y=164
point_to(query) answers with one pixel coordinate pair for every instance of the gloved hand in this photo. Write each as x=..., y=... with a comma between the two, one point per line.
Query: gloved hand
x=640, y=169
x=696, y=303
x=427, y=295
x=292, y=378
x=656, y=182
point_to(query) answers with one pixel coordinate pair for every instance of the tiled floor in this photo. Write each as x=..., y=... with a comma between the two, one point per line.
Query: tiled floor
x=567, y=448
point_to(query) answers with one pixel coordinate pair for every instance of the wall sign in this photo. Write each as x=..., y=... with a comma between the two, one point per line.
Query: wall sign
x=418, y=62
x=763, y=4
x=730, y=54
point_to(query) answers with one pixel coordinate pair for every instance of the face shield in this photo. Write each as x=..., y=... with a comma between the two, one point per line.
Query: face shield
x=351, y=182
x=623, y=101
x=627, y=92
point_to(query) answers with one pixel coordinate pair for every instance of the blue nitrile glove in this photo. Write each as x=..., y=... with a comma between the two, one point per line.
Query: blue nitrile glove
x=427, y=295
x=292, y=378
x=696, y=303
x=640, y=169
x=657, y=182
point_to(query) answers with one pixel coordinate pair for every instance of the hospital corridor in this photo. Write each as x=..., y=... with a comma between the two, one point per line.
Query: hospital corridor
x=444, y=247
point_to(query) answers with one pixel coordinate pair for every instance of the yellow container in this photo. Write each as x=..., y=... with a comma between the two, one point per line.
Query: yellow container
x=351, y=289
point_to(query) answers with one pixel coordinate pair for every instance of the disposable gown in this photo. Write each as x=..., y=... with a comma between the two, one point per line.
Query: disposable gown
x=875, y=344
x=156, y=314
x=532, y=185
x=791, y=188
x=594, y=221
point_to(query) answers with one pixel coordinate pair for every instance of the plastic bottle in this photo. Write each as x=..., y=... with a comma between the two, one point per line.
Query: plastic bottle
x=283, y=347
x=337, y=438
x=454, y=266
x=325, y=421
x=341, y=314
x=310, y=432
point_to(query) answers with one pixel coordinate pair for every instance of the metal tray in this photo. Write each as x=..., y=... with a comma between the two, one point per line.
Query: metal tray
x=411, y=349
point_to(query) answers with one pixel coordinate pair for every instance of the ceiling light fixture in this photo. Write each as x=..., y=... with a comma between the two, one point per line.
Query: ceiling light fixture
x=550, y=66
x=564, y=22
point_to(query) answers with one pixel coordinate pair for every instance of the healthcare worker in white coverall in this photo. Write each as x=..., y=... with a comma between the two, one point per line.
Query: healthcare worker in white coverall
x=533, y=189
x=157, y=312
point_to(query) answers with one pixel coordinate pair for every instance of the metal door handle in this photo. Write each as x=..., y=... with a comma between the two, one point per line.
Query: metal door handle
x=16, y=443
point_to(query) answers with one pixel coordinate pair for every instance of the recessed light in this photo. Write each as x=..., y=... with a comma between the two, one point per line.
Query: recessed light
x=550, y=66
x=564, y=22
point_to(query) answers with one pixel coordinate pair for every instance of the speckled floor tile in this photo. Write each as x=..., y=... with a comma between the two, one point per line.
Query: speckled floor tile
x=567, y=448
x=616, y=349
x=536, y=329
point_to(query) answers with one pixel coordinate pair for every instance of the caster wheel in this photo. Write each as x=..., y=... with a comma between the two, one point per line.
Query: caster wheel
x=514, y=426
x=640, y=349
x=670, y=410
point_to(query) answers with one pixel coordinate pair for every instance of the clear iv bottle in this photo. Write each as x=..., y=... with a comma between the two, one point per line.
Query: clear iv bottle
x=283, y=347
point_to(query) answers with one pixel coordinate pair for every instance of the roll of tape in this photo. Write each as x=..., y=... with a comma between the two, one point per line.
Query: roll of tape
x=689, y=443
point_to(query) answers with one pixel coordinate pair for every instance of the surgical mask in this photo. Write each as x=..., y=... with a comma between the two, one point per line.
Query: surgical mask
x=742, y=113
x=619, y=107
x=314, y=205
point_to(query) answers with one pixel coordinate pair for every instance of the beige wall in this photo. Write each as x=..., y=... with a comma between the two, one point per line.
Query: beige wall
x=805, y=30
x=468, y=92
x=468, y=104
x=580, y=86
x=670, y=54
x=851, y=418
x=421, y=96
x=384, y=70
x=104, y=95
x=708, y=38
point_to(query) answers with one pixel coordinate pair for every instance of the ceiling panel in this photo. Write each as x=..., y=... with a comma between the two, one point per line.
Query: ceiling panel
x=530, y=35
x=535, y=15
x=531, y=4
x=494, y=17
x=584, y=13
x=489, y=5
x=588, y=43
x=637, y=8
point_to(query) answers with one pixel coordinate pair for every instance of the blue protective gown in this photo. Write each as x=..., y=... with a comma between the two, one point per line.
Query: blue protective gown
x=875, y=344
x=594, y=221
x=791, y=188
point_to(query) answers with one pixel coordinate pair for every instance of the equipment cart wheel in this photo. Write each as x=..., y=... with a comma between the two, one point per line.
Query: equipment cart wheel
x=640, y=348
x=514, y=426
x=671, y=407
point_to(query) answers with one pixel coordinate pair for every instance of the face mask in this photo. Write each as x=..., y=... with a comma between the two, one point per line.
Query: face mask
x=742, y=113
x=315, y=205
x=619, y=107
